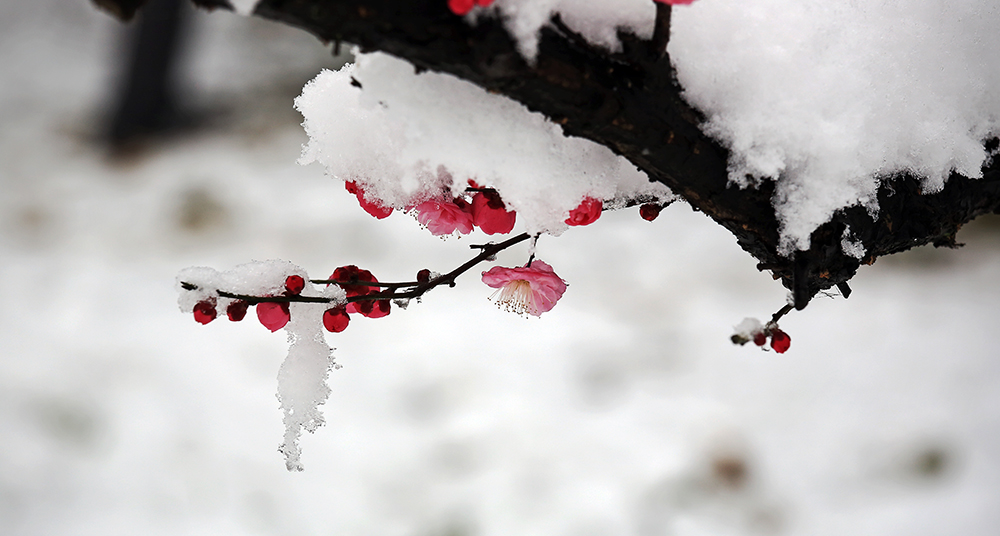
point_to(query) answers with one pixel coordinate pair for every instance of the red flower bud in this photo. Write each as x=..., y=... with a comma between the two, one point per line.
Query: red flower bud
x=273, y=316
x=374, y=209
x=335, y=320
x=204, y=311
x=237, y=310
x=353, y=274
x=294, y=284
x=587, y=213
x=490, y=214
x=780, y=341
x=650, y=211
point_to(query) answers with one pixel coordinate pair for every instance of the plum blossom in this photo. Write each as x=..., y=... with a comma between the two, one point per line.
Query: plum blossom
x=490, y=214
x=532, y=289
x=351, y=273
x=445, y=217
x=376, y=210
x=587, y=213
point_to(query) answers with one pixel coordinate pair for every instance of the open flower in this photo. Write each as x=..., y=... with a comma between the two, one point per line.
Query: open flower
x=445, y=217
x=532, y=289
x=587, y=213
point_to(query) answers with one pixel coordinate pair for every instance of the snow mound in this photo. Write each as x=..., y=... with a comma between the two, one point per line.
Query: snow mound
x=822, y=97
x=406, y=137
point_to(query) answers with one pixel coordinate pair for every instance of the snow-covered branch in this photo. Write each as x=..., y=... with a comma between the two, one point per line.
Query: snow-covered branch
x=629, y=101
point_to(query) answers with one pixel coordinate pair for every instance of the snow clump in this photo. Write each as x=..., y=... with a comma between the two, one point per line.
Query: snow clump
x=405, y=138
x=824, y=98
x=302, y=376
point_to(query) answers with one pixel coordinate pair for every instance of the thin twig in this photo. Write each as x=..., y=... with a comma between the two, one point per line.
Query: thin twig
x=781, y=312
x=414, y=289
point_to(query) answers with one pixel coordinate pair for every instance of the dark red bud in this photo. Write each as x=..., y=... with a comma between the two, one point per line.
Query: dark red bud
x=237, y=310
x=294, y=284
x=204, y=311
x=335, y=320
x=650, y=211
x=780, y=341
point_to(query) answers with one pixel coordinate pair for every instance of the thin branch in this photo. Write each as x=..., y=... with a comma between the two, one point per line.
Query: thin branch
x=781, y=312
x=414, y=289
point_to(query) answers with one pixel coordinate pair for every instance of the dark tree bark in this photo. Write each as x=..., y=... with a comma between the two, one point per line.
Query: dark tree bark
x=631, y=103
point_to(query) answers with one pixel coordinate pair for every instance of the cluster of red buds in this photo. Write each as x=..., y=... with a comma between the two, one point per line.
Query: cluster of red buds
x=272, y=314
x=751, y=330
x=273, y=311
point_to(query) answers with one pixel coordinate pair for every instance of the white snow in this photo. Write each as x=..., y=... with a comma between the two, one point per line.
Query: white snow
x=244, y=7
x=625, y=410
x=302, y=377
x=823, y=97
x=406, y=137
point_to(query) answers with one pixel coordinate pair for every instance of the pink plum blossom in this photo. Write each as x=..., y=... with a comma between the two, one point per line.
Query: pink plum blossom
x=445, y=217
x=532, y=289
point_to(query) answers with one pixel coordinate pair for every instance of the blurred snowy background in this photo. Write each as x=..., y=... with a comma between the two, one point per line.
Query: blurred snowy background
x=623, y=411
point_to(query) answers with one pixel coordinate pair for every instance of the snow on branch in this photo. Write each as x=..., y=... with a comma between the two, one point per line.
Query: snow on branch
x=622, y=93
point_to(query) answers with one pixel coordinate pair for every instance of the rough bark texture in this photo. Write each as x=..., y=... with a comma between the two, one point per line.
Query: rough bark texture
x=630, y=102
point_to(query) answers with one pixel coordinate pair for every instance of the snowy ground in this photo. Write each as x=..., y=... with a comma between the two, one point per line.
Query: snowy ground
x=625, y=410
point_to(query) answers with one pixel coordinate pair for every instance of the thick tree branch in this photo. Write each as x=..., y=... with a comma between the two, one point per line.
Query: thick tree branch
x=630, y=102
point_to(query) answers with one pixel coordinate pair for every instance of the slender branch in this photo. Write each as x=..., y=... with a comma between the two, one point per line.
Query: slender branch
x=414, y=289
x=781, y=312
x=488, y=251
